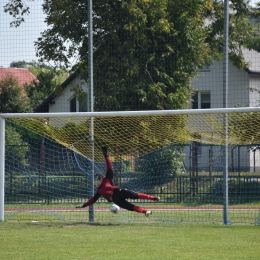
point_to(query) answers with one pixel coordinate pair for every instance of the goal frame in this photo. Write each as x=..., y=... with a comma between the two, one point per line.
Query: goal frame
x=5, y=116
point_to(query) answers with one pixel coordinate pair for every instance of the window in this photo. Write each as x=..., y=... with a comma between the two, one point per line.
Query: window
x=201, y=100
x=204, y=100
x=73, y=105
x=194, y=98
x=76, y=106
x=83, y=107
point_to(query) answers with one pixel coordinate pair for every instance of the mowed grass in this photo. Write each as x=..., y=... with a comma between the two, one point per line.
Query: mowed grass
x=57, y=240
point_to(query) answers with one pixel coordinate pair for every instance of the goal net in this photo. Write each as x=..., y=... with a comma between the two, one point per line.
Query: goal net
x=49, y=163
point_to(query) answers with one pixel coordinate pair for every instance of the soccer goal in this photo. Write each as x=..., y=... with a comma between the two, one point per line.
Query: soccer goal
x=203, y=164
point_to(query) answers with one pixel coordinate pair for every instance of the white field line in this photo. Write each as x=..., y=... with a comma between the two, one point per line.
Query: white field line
x=104, y=209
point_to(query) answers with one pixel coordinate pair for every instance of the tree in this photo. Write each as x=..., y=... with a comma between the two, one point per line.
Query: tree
x=49, y=79
x=243, y=30
x=24, y=99
x=145, y=52
x=21, y=64
x=12, y=97
x=15, y=146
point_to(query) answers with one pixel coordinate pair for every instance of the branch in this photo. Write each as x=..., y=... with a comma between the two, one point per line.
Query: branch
x=16, y=8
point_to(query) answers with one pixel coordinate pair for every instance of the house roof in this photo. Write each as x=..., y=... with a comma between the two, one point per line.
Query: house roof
x=23, y=75
x=43, y=107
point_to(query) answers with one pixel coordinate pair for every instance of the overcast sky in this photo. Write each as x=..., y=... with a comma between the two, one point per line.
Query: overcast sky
x=17, y=44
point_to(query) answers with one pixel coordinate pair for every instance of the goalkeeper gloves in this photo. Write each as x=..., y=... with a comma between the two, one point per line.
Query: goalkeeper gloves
x=79, y=206
x=104, y=150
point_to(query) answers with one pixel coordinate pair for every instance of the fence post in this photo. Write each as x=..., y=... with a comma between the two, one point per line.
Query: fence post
x=194, y=167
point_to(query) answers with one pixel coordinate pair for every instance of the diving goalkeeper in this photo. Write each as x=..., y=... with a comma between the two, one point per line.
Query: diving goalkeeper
x=112, y=193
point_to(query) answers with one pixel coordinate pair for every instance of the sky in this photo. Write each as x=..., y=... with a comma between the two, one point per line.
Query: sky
x=17, y=44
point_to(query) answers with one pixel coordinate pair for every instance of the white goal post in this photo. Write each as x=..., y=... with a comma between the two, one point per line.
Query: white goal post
x=96, y=115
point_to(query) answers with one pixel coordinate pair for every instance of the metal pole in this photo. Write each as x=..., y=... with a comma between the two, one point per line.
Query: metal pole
x=90, y=103
x=2, y=167
x=225, y=105
x=135, y=113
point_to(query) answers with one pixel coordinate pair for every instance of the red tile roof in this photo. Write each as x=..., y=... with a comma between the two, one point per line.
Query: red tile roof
x=23, y=75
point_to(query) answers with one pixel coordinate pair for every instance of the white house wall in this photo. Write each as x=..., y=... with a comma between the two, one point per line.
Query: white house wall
x=212, y=81
x=240, y=85
x=209, y=158
x=62, y=101
x=254, y=99
x=254, y=161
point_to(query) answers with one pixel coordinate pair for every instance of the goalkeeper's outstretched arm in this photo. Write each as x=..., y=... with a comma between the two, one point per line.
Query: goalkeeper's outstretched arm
x=109, y=171
x=90, y=201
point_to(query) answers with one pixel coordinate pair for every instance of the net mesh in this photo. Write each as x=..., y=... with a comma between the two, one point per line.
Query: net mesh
x=143, y=134
x=50, y=162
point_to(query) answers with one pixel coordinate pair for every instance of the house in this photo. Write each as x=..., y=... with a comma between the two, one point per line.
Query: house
x=243, y=85
x=63, y=99
x=24, y=76
x=243, y=91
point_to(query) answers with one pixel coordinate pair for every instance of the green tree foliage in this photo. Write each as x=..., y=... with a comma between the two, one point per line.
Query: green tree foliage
x=12, y=97
x=15, y=145
x=166, y=162
x=146, y=51
x=157, y=168
x=243, y=30
x=48, y=77
x=48, y=81
x=21, y=64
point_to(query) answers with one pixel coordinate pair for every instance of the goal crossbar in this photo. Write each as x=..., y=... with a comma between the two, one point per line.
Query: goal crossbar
x=133, y=113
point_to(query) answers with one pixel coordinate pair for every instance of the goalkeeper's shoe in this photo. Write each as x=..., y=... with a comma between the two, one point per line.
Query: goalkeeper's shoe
x=156, y=199
x=148, y=213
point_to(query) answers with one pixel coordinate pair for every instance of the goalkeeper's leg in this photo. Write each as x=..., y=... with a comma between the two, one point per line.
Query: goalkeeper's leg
x=143, y=196
x=129, y=194
x=120, y=196
x=122, y=203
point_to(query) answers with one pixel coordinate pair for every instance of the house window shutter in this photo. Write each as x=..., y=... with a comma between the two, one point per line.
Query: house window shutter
x=205, y=100
x=195, y=104
x=73, y=105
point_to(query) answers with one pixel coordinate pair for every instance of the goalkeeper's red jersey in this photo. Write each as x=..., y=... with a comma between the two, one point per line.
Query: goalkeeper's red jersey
x=106, y=187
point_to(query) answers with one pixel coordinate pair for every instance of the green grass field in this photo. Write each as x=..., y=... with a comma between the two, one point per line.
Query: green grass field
x=56, y=240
